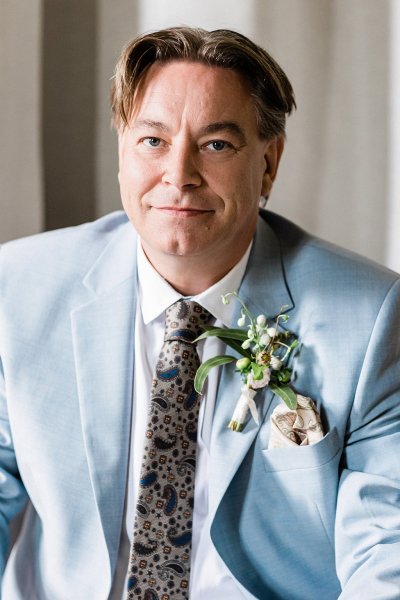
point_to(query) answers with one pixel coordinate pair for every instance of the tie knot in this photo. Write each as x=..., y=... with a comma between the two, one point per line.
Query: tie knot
x=185, y=321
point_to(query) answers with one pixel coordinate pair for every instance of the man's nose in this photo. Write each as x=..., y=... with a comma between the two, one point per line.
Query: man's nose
x=181, y=167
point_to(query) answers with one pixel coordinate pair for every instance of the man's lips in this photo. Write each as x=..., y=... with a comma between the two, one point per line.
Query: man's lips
x=183, y=212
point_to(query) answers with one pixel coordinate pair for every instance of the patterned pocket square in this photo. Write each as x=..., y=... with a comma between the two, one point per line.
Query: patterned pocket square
x=300, y=427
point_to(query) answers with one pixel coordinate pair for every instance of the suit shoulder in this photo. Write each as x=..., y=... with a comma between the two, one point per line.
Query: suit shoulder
x=80, y=243
x=319, y=259
x=53, y=264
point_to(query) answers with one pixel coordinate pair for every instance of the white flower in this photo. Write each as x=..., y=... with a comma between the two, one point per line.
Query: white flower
x=246, y=344
x=225, y=299
x=261, y=320
x=257, y=384
x=242, y=363
x=250, y=334
x=271, y=332
x=242, y=321
x=276, y=363
x=265, y=339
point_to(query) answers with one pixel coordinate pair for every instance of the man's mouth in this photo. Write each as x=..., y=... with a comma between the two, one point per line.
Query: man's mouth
x=182, y=212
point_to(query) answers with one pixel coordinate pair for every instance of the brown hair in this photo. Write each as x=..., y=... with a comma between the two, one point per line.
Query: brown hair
x=270, y=88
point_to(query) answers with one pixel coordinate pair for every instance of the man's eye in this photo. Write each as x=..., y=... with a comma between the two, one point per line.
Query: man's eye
x=218, y=145
x=153, y=142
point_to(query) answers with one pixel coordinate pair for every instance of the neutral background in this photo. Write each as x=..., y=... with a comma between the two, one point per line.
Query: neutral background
x=340, y=176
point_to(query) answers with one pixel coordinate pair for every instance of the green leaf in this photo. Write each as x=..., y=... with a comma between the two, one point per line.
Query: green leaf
x=236, y=346
x=286, y=394
x=284, y=375
x=223, y=332
x=205, y=368
x=294, y=344
x=257, y=371
x=231, y=337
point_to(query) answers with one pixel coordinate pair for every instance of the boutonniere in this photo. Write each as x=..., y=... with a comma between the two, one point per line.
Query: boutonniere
x=265, y=348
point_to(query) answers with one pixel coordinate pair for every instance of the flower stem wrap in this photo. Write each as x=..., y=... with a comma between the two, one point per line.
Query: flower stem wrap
x=245, y=402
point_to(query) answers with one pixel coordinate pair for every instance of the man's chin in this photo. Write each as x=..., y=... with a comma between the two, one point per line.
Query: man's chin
x=180, y=249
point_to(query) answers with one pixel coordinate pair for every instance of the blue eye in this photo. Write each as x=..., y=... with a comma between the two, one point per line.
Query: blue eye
x=153, y=142
x=218, y=145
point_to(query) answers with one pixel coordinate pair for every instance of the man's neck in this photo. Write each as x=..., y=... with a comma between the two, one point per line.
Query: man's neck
x=188, y=275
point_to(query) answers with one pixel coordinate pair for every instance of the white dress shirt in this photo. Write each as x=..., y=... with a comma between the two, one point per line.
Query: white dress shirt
x=210, y=578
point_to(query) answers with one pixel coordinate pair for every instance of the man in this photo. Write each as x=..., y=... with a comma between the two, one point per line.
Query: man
x=200, y=119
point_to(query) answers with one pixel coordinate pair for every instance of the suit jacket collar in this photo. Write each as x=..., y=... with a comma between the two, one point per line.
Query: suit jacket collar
x=264, y=291
x=115, y=264
x=103, y=339
x=264, y=288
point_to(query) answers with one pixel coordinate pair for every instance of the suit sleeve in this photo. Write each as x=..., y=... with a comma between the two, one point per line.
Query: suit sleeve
x=367, y=531
x=12, y=492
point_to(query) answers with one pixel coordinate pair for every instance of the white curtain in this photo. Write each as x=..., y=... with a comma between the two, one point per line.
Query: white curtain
x=340, y=175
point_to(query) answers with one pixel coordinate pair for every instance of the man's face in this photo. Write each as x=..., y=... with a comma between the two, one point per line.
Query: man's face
x=192, y=165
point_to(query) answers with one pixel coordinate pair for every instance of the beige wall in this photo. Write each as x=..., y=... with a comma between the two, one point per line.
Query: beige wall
x=21, y=191
x=335, y=173
x=393, y=213
x=117, y=23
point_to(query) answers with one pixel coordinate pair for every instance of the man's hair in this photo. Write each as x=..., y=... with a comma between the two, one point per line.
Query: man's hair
x=269, y=87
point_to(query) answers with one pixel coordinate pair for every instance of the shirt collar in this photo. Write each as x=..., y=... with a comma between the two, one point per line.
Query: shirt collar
x=156, y=294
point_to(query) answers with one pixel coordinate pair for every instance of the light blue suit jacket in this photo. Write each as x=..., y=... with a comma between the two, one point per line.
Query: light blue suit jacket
x=307, y=523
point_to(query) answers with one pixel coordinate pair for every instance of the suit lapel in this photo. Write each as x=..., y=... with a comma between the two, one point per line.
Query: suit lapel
x=263, y=290
x=103, y=337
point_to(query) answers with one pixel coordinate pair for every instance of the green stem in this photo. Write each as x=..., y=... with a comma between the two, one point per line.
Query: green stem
x=246, y=310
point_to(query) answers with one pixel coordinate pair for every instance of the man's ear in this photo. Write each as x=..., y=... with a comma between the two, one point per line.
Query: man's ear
x=273, y=153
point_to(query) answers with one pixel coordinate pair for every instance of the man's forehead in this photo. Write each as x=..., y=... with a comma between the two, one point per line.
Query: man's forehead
x=194, y=67
x=180, y=85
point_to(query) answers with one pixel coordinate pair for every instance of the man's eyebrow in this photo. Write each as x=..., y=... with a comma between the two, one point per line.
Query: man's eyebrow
x=212, y=128
x=149, y=124
x=229, y=126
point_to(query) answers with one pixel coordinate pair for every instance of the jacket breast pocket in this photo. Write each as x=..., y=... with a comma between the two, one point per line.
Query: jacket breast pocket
x=303, y=457
x=302, y=482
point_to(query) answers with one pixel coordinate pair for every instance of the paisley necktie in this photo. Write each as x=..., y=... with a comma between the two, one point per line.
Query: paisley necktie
x=159, y=563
